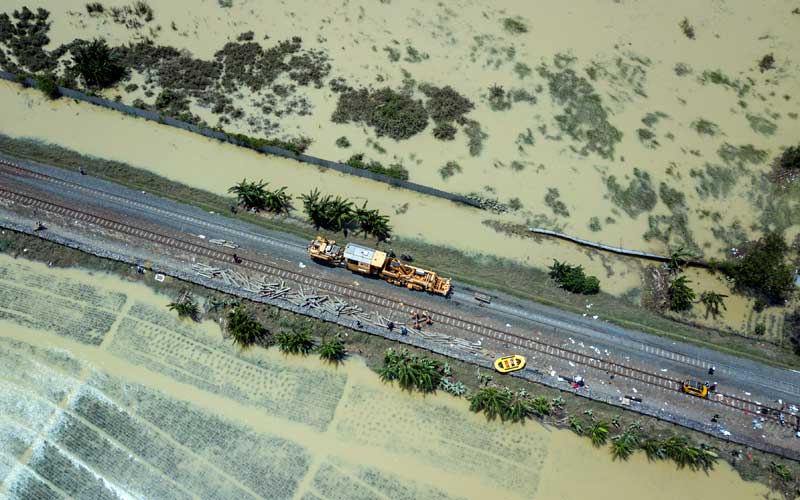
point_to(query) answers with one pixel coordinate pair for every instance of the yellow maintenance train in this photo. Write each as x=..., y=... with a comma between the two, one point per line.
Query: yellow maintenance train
x=371, y=262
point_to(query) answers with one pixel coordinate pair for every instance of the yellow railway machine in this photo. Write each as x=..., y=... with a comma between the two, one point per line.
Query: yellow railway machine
x=371, y=262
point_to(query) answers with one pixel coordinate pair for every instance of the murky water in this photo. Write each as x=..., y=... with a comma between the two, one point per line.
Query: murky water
x=633, y=48
x=98, y=380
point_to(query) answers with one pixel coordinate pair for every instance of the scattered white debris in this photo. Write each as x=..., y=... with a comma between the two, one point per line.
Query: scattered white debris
x=747, y=393
x=24, y=249
x=552, y=373
x=570, y=339
x=634, y=390
x=508, y=325
x=663, y=369
x=302, y=266
x=595, y=316
x=201, y=236
x=571, y=363
x=725, y=432
x=589, y=306
x=159, y=277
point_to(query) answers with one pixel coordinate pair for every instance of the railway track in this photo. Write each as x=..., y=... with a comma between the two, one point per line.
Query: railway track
x=533, y=345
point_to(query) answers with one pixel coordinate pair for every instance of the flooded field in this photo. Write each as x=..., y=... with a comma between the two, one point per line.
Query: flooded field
x=105, y=394
x=647, y=127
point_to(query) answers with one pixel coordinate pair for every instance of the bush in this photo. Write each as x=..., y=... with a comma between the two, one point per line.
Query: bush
x=388, y=112
x=760, y=329
x=573, y=279
x=764, y=271
x=343, y=142
x=450, y=169
x=332, y=350
x=48, y=85
x=515, y=25
x=790, y=159
x=396, y=170
x=687, y=29
x=766, y=63
x=444, y=132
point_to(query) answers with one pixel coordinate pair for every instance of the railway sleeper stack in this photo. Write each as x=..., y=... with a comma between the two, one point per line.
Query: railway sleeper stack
x=312, y=299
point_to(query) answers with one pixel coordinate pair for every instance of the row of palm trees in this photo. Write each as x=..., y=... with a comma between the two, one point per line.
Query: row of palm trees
x=329, y=212
x=496, y=402
x=411, y=372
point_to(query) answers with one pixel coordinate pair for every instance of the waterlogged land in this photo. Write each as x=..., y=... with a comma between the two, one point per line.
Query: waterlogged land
x=610, y=121
x=105, y=394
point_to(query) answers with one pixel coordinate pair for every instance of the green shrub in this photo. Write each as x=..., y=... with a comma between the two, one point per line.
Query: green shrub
x=396, y=170
x=573, y=279
x=450, y=169
x=790, y=158
x=97, y=63
x=388, y=112
x=343, y=142
x=515, y=25
x=48, y=85
x=764, y=270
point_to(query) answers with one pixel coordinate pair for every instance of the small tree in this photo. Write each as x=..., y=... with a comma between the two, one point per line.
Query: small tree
x=185, y=307
x=48, y=85
x=678, y=258
x=278, y=201
x=332, y=350
x=243, y=328
x=790, y=158
x=97, y=64
x=573, y=279
x=492, y=401
x=680, y=295
x=713, y=301
x=763, y=268
x=599, y=433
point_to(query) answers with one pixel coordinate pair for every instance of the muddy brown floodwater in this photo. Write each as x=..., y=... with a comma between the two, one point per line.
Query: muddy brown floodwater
x=105, y=393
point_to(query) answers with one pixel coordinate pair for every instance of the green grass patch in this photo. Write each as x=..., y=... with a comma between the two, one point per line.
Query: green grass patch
x=762, y=125
x=635, y=199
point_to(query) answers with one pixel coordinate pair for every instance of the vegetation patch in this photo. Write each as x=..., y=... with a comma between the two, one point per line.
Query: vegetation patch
x=476, y=137
x=445, y=106
x=343, y=142
x=584, y=118
x=681, y=296
x=515, y=25
x=705, y=127
x=715, y=180
x=390, y=113
x=25, y=34
x=395, y=170
x=687, y=28
x=763, y=269
x=573, y=278
x=339, y=214
x=635, y=199
x=256, y=197
x=742, y=155
x=762, y=125
x=450, y=169
x=552, y=200
x=647, y=137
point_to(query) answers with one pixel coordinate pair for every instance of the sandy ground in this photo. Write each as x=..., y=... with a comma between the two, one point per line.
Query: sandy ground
x=631, y=47
x=107, y=384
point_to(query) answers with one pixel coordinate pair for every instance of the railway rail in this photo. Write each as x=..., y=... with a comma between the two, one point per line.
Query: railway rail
x=534, y=345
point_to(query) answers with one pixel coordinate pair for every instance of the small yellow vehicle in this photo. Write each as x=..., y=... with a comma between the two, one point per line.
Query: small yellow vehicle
x=695, y=388
x=508, y=364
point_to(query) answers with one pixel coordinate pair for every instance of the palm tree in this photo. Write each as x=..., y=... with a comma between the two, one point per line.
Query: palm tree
x=251, y=195
x=623, y=445
x=295, y=342
x=185, y=307
x=97, y=63
x=278, y=201
x=678, y=258
x=491, y=401
x=680, y=295
x=654, y=449
x=333, y=350
x=712, y=301
x=599, y=433
x=244, y=329
x=372, y=222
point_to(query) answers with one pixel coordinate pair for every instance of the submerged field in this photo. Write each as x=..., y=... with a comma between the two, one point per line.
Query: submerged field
x=105, y=394
x=642, y=126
